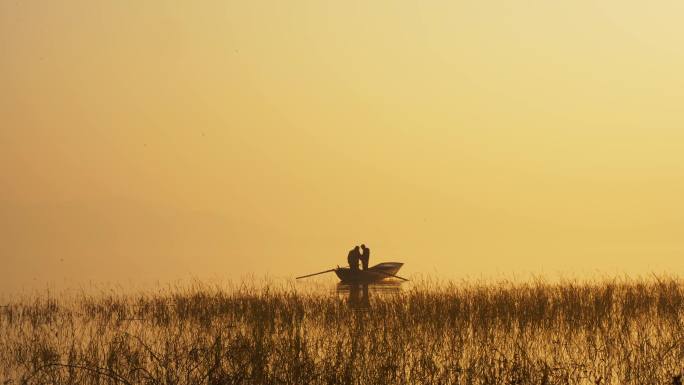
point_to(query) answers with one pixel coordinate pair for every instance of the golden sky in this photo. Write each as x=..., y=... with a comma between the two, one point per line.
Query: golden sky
x=154, y=140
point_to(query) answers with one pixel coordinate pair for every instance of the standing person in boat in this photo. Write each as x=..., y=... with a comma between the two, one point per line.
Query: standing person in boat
x=365, y=256
x=353, y=258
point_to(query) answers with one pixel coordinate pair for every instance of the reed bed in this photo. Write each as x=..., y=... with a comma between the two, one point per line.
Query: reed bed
x=603, y=332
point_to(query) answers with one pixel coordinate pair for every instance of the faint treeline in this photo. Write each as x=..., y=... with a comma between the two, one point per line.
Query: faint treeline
x=604, y=332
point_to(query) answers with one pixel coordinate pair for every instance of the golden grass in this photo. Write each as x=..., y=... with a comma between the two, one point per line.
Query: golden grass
x=603, y=332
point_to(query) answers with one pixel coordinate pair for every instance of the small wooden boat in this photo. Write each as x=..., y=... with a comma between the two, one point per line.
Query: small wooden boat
x=376, y=273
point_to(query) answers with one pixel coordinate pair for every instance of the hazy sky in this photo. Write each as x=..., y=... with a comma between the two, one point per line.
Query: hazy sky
x=155, y=140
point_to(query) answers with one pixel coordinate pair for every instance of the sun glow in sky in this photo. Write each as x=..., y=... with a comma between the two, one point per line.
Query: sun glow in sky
x=164, y=139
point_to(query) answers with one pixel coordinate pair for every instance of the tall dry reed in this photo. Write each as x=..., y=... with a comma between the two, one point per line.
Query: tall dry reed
x=604, y=332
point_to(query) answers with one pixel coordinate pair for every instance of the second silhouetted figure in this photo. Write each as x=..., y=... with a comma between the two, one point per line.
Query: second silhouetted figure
x=365, y=256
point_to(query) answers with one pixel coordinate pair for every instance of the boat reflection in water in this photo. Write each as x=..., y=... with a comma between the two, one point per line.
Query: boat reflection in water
x=358, y=294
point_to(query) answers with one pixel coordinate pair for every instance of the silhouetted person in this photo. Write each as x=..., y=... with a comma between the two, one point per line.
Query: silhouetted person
x=365, y=256
x=353, y=258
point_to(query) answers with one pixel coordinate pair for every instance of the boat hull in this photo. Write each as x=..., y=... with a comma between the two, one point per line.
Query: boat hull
x=376, y=273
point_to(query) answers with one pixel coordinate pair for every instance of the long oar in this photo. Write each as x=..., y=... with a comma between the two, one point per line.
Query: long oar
x=311, y=275
x=388, y=274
